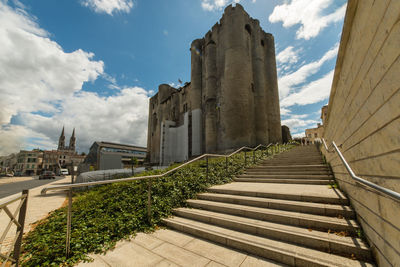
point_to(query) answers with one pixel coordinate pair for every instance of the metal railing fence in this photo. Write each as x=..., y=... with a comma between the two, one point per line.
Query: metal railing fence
x=271, y=148
x=12, y=255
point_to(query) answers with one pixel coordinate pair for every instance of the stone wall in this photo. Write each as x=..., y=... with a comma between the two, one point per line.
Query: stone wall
x=364, y=119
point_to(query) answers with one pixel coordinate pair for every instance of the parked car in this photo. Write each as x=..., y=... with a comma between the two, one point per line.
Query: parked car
x=64, y=171
x=47, y=175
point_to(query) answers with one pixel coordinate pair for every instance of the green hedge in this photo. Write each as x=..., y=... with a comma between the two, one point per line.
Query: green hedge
x=106, y=214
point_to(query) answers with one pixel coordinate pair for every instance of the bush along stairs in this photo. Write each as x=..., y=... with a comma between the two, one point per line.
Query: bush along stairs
x=286, y=209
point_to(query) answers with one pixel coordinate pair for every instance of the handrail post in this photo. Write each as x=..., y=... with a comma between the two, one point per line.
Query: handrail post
x=69, y=213
x=254, y=156
x=149, y=201
x=245, y=158
x=226, y=164
x=21, y=221
x=207, y=167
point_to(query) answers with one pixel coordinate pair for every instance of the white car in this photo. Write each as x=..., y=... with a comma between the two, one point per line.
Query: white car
x=64, y=172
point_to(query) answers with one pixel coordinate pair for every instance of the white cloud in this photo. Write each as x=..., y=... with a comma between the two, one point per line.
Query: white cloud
x=313, y=92
x=285, y=111
x=12, y=139
x=309, y=14
x=41, y=86
x=299, y=135
x=297, y=124
x=34, y=70
x=289, y=81
x=211, y=5
x=109, y=6
x=288, y=55
x=118, y=118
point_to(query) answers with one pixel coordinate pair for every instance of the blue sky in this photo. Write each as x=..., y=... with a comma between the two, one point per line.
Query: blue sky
x=93, y=64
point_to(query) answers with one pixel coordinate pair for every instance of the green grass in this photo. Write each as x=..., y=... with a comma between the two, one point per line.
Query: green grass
x=106, y=214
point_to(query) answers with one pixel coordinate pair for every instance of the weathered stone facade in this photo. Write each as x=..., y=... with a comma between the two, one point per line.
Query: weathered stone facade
x=231, y=101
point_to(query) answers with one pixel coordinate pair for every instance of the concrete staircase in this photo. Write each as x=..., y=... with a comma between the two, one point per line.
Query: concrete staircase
x=283, y=209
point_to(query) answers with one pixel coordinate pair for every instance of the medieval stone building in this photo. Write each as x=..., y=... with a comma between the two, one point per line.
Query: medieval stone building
x=72, y=142
x=231, y=101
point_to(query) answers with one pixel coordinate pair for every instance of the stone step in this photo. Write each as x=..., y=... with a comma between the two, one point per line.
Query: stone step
x=328, y=242
x=292, y=162
x=283, y=191
x=288, y=205
x=279, y=251
x=285, y=176
x=273, y=172
x=292, y=168
x=315, y=222
x=283, y=181
x=295, y=166
x=288, y=156
x=297, y=157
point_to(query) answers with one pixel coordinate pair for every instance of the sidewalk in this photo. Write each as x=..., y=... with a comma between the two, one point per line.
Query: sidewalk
x=170, y=248
x=38, y=208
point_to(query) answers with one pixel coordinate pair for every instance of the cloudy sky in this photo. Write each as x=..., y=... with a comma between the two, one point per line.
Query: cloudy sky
x=93, y=64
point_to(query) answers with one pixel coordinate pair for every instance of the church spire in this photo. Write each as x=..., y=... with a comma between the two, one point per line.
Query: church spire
x=61, y=141
x=72, y=141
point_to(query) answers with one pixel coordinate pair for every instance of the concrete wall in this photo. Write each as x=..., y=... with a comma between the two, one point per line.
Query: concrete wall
x=110, y=161
x=364, y=118
x=196, y=132
x=174, y=142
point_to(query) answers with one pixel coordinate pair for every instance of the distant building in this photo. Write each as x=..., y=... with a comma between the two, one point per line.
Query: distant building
x=35, y=161
x=64, y=156
x=72, y=142
x=314, y=135
x=8, y=163
x=54, y=160
x=106, y=155
x=29, y=162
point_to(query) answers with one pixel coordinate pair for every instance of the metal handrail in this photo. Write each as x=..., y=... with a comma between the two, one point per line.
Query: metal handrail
x=149, y=178
x=326, y=147
x=69, y=186
x=19, y=222
x=393, y=194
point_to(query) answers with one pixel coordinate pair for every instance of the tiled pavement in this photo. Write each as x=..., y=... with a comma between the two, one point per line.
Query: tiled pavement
x=170, y=248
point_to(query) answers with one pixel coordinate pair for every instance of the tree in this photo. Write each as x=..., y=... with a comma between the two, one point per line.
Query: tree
x=134, y=163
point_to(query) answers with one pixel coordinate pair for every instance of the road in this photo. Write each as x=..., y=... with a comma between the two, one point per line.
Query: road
x=13, y=186
x=38, y=206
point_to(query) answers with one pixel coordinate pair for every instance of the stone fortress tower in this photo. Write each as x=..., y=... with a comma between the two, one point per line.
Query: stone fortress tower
x=231, y=101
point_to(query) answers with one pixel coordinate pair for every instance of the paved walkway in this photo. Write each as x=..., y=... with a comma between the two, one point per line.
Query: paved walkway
x=38, y=208
x=170, y=248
